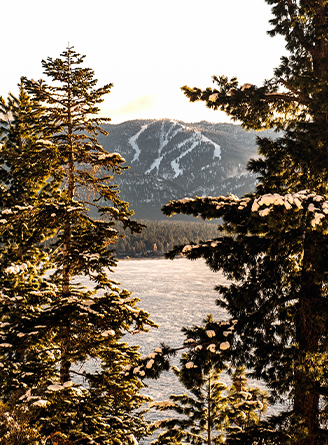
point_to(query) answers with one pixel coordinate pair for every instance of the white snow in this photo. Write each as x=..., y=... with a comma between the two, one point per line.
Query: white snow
x=317, y=219
x=296, y=201
x=245, y=394
x=211, y=347
x=264, y=212
x=150, y=364
x=107, y=333
x=238, y=405
x=3, y=325
x=255, y=206
x=164, y=138
x=40, y=403
x=189, y=340
x=175, y=165
x=213, y=97
x=163, y=404
x=225, y=345
x=132, y=440
x=133, y=143
x=185, y=200
x=195, y=139
x=44, y=142
x=55, y=387
x=16, y=268
x=192, y=142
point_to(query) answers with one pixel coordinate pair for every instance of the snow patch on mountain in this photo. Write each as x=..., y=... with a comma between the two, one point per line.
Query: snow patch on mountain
x=133, y=143
x=164, y=138
x=193, y=141
x=169, y=159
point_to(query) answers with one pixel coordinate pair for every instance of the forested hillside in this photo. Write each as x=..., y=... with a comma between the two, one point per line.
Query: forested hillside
x=160, y=236
x=168, y=159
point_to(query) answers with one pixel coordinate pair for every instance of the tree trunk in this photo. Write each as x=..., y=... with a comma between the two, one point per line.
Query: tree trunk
x=67, y=266
x=306, y=399
x=209, y=396
x=65, y=364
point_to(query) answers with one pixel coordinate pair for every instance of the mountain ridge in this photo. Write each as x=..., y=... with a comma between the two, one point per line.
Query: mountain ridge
x=171, y=159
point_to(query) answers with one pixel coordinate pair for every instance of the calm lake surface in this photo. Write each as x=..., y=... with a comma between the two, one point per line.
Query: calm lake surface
x=178, y=293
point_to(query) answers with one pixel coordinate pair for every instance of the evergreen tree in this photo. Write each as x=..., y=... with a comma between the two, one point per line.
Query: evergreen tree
x=199, y=417
x=209, y=411
x=63, y=324
x=275, y=240
x=25, y=292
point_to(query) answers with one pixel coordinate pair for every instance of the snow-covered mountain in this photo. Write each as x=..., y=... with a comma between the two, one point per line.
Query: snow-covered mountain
x=170, y=159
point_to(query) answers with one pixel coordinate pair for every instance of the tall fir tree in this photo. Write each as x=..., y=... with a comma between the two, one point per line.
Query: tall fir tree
x=26, y=341
x=210, y=410
x=273, y=242
x=67, y=325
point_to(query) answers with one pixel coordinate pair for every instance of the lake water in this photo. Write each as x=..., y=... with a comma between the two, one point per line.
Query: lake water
x=177, y=294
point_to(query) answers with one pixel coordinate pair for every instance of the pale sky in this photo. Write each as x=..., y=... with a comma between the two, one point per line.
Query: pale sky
x=148, y=49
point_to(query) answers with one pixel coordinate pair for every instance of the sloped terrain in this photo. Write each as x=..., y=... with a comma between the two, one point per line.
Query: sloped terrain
x=170, y=160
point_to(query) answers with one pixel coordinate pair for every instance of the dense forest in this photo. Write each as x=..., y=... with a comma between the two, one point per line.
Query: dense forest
x=158, y=237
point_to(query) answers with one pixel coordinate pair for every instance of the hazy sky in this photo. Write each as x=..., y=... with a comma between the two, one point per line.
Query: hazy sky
x=149, y=49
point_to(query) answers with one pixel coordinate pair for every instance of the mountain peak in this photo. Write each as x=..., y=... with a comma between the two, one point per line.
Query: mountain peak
x=169, y=159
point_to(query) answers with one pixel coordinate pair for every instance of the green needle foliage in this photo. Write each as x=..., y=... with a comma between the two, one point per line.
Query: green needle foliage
x=26, y=353
x=274, y=242
x=63, y=358
x=209, y=411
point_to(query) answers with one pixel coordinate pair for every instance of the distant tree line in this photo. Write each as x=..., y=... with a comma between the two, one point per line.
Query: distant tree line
x=158, y=237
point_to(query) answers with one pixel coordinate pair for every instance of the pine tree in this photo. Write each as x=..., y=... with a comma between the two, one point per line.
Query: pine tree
x=200, y=416
x=24, y=291
x=209, y=411
x=275, y=240
x=74, y=332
